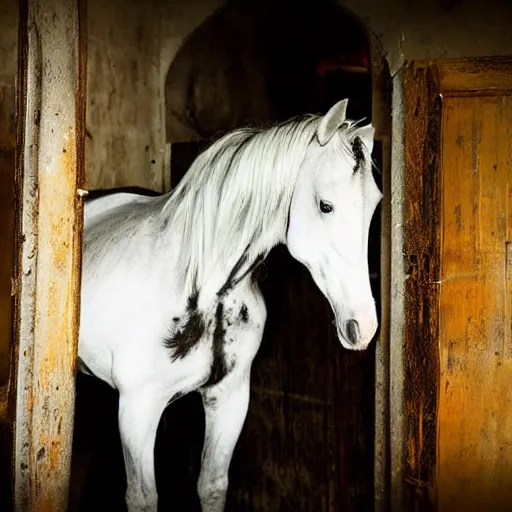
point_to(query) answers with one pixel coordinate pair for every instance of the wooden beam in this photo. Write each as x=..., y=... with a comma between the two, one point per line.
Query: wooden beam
x=422, y=193
x=50, y=169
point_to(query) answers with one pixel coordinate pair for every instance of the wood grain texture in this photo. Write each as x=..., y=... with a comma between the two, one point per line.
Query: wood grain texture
x=421, y=259
x=457, y=233
x=48, y=245
x=475, y=411
x=485, y=76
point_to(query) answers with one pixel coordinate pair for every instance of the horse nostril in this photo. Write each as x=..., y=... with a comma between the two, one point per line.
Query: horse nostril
x=353, y=333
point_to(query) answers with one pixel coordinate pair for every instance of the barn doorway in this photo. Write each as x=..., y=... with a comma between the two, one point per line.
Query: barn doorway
x=308, y=441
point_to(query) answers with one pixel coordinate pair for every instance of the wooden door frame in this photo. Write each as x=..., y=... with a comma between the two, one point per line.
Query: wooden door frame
x=51, y=100
x=418, y=94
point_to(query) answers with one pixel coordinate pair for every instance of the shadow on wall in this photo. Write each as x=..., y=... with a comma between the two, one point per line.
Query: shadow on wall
x=260, y=61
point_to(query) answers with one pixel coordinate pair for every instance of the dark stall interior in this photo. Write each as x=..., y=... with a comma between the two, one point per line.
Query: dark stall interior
x=307, y=443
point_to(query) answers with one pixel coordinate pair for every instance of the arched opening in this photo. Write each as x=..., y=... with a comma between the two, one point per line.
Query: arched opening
x=308, y=441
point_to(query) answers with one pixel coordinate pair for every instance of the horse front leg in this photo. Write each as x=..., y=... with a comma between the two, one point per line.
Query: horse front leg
x=139, y=415
x=225, y=408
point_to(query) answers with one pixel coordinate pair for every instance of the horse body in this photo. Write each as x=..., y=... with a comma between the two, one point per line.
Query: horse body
x=169, y=304
x=136, y=311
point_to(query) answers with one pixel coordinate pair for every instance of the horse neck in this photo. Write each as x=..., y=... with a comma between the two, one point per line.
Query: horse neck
x=212, y=252
x=223, y=275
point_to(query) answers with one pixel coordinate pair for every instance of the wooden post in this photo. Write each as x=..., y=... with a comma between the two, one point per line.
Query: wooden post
x=50, y=155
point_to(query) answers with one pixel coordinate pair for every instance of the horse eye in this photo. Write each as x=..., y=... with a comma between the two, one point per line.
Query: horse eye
x=325, y=206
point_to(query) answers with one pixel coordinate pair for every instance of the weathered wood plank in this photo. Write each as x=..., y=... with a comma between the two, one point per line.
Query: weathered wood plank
x=485, y=76
x=421, y=253
x=50, y=168
x=475, y=413
x=458, y=355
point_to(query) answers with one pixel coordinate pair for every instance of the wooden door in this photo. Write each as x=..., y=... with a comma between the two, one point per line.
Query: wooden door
x=458, y=246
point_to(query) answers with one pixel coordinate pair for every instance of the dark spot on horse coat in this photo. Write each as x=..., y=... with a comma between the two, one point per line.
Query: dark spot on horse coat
x=228, y=317
x=244, y=314
x=357, y=148
x=209, y=401
x=219, y=367
x=182, y=340
x=192, y=301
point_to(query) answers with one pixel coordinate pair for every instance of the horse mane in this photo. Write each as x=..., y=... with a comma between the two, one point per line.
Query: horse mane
x=233, y=203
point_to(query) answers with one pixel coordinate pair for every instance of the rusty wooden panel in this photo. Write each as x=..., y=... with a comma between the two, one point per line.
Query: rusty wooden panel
x=475, y=411
x=421, y=260
x=49, y=224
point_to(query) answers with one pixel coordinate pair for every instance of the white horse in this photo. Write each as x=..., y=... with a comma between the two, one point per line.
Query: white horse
x=168, y=303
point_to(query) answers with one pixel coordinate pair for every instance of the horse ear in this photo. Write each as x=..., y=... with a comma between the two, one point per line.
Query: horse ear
x=366, y=134
x=331, y=122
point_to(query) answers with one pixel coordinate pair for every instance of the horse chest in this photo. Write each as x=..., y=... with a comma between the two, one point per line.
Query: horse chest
x=223, y=332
